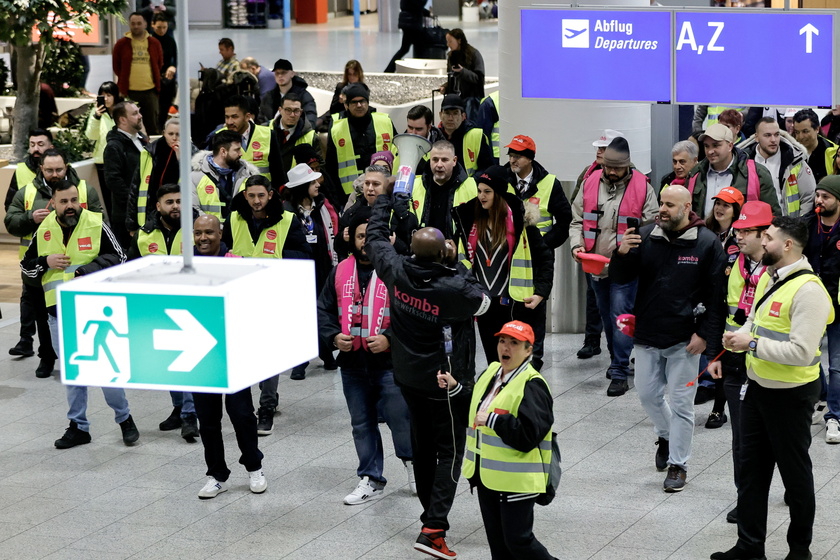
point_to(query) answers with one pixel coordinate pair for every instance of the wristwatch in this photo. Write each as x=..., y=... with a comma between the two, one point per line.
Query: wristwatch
x=753, y=345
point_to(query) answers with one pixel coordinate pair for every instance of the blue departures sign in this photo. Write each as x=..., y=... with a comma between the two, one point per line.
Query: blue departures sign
x=596, y=54
x=741, y=59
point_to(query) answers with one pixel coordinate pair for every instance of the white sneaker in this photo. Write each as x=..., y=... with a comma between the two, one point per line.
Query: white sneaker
x=212, y=489
x=819, y=412
x=409, y=470
x=364, y=492
x=258, y=482
x=832, y=431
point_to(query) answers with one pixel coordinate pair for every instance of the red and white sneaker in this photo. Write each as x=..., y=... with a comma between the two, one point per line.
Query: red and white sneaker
x=433, y=543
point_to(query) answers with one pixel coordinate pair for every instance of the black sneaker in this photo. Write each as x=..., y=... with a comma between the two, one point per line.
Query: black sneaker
x=265, y=421
x=173, y=421
x=23, y=349
x=298, y=373
x=716, y=420
x=732, y=516
x=663, y=451
x=72, y=437
x=589, y=350
x=129, y=431
x=675, y=481
x=189, y=428
x=736, y=553
x=617, y=387
x=45, y=368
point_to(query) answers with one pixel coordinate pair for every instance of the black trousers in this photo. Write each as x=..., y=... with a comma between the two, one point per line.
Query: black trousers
x=438, y=437
x=33, y=312
x=593, y=329
x=410, y=37
x=149, y=105
x=240, y=409
x=776, y=430
x=734, y=377
x=498, y=314
x=509, y=526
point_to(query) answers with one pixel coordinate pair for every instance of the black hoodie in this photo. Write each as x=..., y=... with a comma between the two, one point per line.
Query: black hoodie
x=271, y=101
x=425, y=298
x=676, y=274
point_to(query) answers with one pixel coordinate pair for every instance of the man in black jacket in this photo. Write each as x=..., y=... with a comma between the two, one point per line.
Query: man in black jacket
x=823, y=253
x=122, y=165
x=680, y=314
x=287, y=82
x=410, y=21
x=432, y=305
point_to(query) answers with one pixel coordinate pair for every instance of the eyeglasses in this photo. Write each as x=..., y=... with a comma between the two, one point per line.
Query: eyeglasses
x=290, y=111
x=358, y=102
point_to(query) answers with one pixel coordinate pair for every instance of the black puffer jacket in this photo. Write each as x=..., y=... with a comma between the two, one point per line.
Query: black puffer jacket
x=824, y=257
x=271, y=101
x=425, y=297
x=411, y=14
x=675, y=275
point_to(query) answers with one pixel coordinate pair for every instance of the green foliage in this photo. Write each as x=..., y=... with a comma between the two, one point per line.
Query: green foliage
x=73, y=142
x=20, y=16
x=63, y=69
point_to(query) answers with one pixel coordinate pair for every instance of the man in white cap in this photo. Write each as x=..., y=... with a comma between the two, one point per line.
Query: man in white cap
x=610, y=200
x=721, y=168
x=592, y=331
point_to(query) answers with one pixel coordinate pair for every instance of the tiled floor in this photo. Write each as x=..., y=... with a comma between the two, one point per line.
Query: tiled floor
x=107, y=501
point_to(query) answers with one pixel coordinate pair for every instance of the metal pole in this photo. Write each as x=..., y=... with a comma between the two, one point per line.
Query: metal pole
x=181, y=33
x=356, y=15
x=287, y=14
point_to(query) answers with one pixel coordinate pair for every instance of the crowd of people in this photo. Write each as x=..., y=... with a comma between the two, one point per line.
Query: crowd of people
x=723, y=272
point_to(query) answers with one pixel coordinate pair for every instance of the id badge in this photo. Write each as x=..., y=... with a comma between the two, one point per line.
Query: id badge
x=311, y=238
x=744, y=390
x=506, y=301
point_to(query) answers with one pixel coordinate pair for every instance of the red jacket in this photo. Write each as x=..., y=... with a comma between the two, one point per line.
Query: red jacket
x=121, y=61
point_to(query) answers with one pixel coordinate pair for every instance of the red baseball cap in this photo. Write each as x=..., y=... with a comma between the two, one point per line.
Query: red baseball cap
x=518, y=330
x=754, y=214
x=730, y=195
x=521, y=143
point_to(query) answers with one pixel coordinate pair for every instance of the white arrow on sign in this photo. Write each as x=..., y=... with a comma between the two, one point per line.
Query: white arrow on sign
x=192, y=339
x=809, y=31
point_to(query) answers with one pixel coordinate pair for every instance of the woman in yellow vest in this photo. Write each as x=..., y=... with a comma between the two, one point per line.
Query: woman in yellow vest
x=509, y=444
x=507, y=254
x=99, y=124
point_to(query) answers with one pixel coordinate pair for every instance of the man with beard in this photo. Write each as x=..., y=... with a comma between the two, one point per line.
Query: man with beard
x=40, y=140
x=161, y=235
x=823, y=253
x=471, y=144
x=216, y=175
x=785, y=158
x=680, y=313
x=781, y=339
x=353, y=316
x=441, y=187
x=122, y=165
x=259, y=143
x=352, y=140
x=28, y=209
x=71, y=242
x=611, y=196
x=259, y=227
x=821, y=150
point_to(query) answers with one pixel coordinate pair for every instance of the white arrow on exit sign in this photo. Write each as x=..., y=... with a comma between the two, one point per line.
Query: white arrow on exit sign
x=191, y=339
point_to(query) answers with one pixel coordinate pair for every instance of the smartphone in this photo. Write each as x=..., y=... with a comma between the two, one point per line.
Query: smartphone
x=100, y=100
x=633, y=223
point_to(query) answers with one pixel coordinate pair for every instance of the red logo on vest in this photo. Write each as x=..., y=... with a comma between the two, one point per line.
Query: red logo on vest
x=258, y=156
x=83, y=205
x=416, y=206
x=386, y=138
x=271, y=234
x=269, y=248
x=534, y=200
x=209, y=189
x=153, y=247
x=775, y=308
x=47, y=236
x=148, y=178
x=255, y=145
x=341, y=142
x=85, y=244
x=471, y=154
x=732, y=249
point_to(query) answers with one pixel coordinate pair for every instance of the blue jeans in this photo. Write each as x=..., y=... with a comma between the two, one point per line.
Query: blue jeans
x=613, y=300
x=661, y=369
x=833, y=392
x=363, y=389
x=185, y=401
x=77, y=397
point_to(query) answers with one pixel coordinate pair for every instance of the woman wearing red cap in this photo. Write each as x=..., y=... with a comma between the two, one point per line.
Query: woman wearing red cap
x=511, y=417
